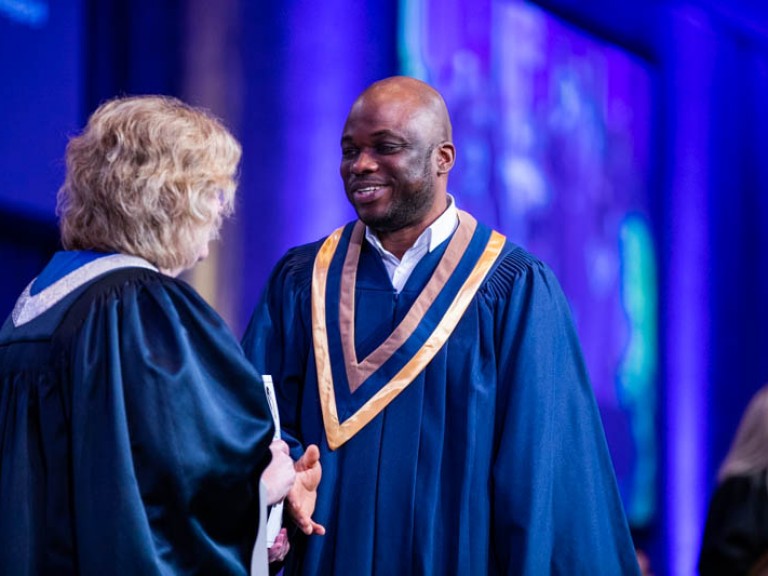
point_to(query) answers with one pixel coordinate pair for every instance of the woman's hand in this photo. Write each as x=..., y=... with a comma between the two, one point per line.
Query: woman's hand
x=278, y=550
x=280, y=476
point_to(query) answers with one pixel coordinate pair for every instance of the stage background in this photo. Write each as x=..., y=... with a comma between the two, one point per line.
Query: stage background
x=664, y=108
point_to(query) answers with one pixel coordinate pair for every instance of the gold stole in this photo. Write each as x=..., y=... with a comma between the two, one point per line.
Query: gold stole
x=357, y=372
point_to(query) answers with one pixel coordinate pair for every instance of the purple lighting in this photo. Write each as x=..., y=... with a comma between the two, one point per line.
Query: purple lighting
x=552, y=128
x=306, y=63
x=687, y=345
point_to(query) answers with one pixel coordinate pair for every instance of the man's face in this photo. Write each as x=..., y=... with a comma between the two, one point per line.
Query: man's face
x=387, y=164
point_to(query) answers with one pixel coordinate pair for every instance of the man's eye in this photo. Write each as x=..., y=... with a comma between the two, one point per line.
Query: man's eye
x=348, y=152
x=388, y=148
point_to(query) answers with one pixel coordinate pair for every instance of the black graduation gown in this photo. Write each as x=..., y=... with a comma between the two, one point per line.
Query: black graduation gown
x=133, y=433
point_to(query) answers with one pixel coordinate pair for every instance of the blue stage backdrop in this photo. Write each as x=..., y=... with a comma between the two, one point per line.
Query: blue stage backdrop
x=40, y=102
x=610, y=138
x=553, y=133
x=40, y=94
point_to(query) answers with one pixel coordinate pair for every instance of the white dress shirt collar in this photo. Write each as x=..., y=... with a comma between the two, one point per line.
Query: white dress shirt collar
x=439, y=231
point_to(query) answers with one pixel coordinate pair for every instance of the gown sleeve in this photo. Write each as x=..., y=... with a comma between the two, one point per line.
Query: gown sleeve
x=170, y=432
x=277, y=341
x=556, y=506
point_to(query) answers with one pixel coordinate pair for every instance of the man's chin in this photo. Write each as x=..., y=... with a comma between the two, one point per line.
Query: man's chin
x=376, y=223
x=369, y=217
x=379, y=222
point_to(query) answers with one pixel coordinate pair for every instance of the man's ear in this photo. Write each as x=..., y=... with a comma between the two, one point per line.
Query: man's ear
x=446, y=157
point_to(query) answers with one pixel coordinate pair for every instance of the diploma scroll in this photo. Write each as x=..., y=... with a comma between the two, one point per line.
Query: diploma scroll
x=275, y=518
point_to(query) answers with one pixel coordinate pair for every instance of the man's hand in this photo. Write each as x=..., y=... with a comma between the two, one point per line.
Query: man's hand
x=280, y=476
x=302, y=497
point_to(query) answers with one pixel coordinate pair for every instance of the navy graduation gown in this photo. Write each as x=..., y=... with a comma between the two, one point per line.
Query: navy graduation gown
x=492, y=461
x=133, y=433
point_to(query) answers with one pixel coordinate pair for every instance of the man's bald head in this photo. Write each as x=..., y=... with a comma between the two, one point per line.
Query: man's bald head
x=411, y=93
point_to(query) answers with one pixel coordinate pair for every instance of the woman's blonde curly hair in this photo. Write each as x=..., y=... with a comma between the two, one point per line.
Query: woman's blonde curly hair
x=144, y=179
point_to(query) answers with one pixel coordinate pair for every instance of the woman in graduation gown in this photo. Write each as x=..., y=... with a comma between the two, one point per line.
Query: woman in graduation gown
x=133, y=432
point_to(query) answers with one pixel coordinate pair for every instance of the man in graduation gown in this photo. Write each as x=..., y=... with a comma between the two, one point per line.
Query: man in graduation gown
x=437, y=367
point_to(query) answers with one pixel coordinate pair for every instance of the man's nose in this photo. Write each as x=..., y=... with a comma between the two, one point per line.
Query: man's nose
x=365, y=162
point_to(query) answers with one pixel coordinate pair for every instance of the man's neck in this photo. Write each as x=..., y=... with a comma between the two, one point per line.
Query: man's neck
x=397, y=242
